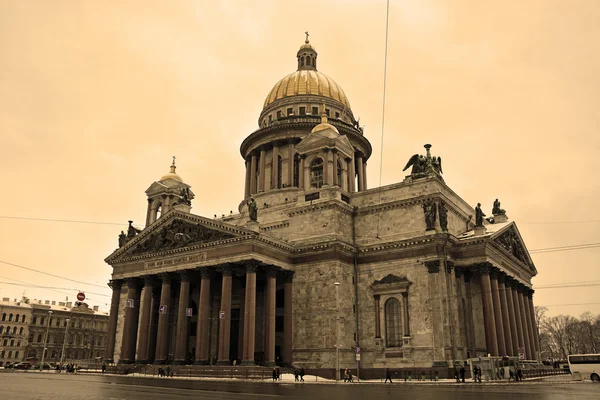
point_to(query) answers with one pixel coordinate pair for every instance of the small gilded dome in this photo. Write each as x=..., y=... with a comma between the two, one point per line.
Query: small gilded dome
x=172, y=174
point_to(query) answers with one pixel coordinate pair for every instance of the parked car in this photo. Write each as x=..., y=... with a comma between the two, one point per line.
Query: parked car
x=22, y=365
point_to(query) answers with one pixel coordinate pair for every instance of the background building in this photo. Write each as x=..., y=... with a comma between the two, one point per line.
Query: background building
x=24, y=324
x=407, y=275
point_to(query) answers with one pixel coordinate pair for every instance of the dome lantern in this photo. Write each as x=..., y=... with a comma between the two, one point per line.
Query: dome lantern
x=307, y=56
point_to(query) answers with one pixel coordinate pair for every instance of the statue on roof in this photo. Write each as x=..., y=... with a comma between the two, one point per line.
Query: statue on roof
x=185, y=197
x=424, y=165
x=443, y=217
x=252, y=209
x=132, y=231
x=122, y=238
x=479, y=215
x=496, y=210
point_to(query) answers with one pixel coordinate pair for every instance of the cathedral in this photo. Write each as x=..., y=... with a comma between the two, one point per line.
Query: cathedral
x=317, y=270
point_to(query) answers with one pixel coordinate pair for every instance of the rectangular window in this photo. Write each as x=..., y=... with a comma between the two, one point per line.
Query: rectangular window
x=302, y=110
x=315, y=111
x=270, y=118
x=327, y=111
x=278, y=114
x=290, y=111
x=12, y=343
x=42, y=321
x=16, y=354
x=337, y=115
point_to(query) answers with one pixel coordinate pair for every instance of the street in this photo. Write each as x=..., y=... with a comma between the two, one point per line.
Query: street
x=49, y=386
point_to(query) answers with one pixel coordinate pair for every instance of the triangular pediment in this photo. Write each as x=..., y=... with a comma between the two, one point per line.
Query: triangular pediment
x=389, y=279
x=176, y=230
x=318, y=140
x=510, y=240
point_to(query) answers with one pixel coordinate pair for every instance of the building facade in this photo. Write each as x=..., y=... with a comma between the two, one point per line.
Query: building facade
x=15, y=317
x=408, y=275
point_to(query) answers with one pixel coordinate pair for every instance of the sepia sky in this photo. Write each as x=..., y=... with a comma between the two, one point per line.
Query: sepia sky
x=97, y=96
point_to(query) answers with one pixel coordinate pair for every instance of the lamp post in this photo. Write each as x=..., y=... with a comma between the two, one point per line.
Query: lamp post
x=46, y=340
x=337, y=333
x=62, y=353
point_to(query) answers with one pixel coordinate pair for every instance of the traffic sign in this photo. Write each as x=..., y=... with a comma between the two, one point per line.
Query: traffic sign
x=221, y=314
x=357, y=356
x=162, y=309
x=81, y=296
x=188, y=312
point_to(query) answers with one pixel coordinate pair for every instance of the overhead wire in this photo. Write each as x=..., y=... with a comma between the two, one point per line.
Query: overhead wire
x=49, y=274
x=61, y=220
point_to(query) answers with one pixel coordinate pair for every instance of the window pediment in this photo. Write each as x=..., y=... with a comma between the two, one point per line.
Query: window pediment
x=391, y=284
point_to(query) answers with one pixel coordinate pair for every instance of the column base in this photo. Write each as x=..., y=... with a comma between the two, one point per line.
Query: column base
x=270, y=364
x=223, y=362
x=202, y=362
x=143, y=362
x=160, y=362
x=179, y=362
x=121, y=361
x=248, y=363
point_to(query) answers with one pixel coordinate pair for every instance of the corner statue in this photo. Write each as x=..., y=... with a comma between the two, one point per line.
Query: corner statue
x=443, y=217
x=252, y=209
x=122, y=238
x=479, y=215
x=426, y=165
x=430, y=210
x=496, y=210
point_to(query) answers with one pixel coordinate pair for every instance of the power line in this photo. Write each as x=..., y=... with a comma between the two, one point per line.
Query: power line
x=387, y=21
x=560, y=222
x=62, y=220
x=49, y=274
x=571, y=304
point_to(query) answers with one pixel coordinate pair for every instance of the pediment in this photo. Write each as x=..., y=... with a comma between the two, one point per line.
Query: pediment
x=389, y=279
x=510, y=240
x=390, y=284
x=164, y=186
x=176, y=230
x=319, y=140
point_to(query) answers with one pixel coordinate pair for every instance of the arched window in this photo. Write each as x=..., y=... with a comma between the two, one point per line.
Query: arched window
x=39, y=338
x=1, y=329
x=17, y=317
x=42, y=321
x=316, y=173
x=4, y=317
x=57, y=321
x=23, y=319
x=302, y=61
x=307, y=60
x=15, y=330
x=279, y=168
x=339, y=174
x=21, y=331
x=393, y=323
x=10, y=317
x=34, y=320
x=296, y=182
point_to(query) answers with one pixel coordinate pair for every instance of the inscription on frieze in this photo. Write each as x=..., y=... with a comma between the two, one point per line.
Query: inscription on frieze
x=176, y=261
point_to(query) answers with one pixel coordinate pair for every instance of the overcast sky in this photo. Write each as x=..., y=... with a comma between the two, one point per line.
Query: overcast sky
x=97, y=96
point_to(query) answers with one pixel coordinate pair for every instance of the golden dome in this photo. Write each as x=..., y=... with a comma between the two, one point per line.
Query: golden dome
x=307, y=80
x=172, y=174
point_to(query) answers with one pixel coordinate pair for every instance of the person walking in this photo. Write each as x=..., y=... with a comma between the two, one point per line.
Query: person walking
x=462, y=374
x=296, y=374
x=168, y=372
x=302, y=374
x=388, y=375
x=274, y=374
x=103, y=368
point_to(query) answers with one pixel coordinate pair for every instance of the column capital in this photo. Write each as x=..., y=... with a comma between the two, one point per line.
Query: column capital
x=494, y=272
x=287, y=276
x=484, y=268
x=149, y=280
x=165, y=277
x=150, y=200
x=502, y=277
x=251, y=266
x=530, y=293
x=133, y=283
x=184, y=275
x=115, y=284
x=206, y=272
x=404, y=294
x=225, y=269
x=468, y=275
x=433, y=266
x=459, y=272
x=271, y=270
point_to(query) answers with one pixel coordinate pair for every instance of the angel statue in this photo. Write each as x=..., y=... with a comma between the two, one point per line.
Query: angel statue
x=424, y=165
x=418, y=164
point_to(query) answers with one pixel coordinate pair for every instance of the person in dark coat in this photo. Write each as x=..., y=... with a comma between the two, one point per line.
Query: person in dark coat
x=296, y=375
x=388, y=375
x=302, y=374
x=462, y=374
x=274, y=374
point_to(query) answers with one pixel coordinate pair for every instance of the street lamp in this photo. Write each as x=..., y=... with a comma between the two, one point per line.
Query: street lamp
x=46, y=340
x=337, y=333
x=62, y=353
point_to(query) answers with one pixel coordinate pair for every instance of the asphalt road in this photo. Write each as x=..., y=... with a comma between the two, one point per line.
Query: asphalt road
x=47, y=386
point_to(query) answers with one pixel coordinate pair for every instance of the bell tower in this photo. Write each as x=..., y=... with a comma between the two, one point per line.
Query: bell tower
x=169, y=192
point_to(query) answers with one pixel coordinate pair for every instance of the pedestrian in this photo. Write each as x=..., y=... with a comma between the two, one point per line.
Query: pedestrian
x=103, y=368
x=456, y=376
x=388, y=375
x=274, y=374
x=462, y=374
x=168, y=372
x=278, y=374
x=502, y=373
x=519, y=374
x=511, y=375
x=296, y=375
x=350, y=378
x=302, y=374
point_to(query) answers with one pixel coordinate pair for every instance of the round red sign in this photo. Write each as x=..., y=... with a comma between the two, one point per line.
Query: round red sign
x=80, y=296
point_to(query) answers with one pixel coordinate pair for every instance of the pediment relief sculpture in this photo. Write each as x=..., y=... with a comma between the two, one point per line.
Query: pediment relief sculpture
x=178, y=234
x=510, y=241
